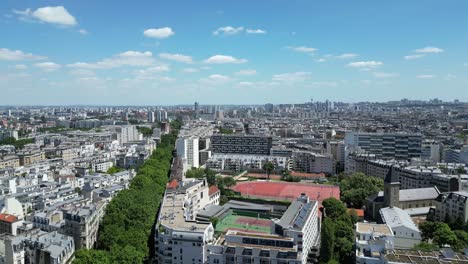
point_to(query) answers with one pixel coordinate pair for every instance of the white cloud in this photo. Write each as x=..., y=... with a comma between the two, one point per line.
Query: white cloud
x=323, y=84
x=176, y=57
x=48, y=66
x=215, y=79
x=347, y=56
x=152, y=73
x=255, y=31
x=190, y=70
x=20, y=67
x=228, y=30
x=49, y=14
x=425, y=76
x=83, y=31
x=159, y=33
x=304, y=49
x=246, y=72
x=246, y=83
x=321, y=60
x=128, y=58
x=291, y=77
x=365, y=64
x=17, y=55
x=449, y=77
x=221, y=59
x=82, y=72
x=385, y=74
x=414, y=56
x=429, y=50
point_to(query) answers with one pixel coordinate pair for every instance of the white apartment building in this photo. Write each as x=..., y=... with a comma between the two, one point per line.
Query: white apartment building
x=188, y=150
x=127, y=133
x=179, y=238
x=371, y=241
x=238, y=162
x=453, y=205
x=151, y=117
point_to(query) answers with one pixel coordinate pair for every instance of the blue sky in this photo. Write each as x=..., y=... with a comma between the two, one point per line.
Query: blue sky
x=231, y=52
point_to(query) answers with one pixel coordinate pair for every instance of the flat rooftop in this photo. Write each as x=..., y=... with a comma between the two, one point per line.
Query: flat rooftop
x=172, y=214
x=378, y=229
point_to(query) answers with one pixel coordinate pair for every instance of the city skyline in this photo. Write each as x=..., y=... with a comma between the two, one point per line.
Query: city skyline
x=172, y=52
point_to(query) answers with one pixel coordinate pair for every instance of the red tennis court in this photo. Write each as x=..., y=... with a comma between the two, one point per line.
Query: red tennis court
x=286, y=190
x=252, y=221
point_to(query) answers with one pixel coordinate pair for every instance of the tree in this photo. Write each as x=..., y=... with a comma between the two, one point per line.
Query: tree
x=146, y=131
x=443, y=235
x=356, y=188
x=195, y=173
x=226, y=182
x=327, y=243
x=113, y=170
x=344, y=248
x=78, y=190
x=333, y=207
x=427, y=229
x=210, y=177
x=91, y=256
x=268, y=167
x=461, y=170
x=214, y=221
x=354, y=216
x=225, y=131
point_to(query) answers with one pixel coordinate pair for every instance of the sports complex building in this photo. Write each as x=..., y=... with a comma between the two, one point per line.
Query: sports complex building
x=237, y=232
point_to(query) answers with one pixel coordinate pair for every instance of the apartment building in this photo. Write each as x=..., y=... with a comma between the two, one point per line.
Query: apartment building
x=451, y=205
x=82, y=223
x=9, y=161
x=37, y=247
x=311, y=162
x=27, y=157
x=371, y=241
x=125, y=134
x=188, y=149
x=179, y=238
x=239, y=162
x=399, y=146
x=241, y=144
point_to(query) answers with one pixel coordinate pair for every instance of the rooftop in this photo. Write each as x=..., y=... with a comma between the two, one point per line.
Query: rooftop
x=377, y=229
x=8, y=218
x=396, y=217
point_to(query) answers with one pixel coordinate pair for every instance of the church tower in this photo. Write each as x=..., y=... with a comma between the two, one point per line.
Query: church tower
x=391, y=190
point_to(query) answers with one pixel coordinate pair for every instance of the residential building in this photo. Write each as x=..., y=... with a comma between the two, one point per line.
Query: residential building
x=82, y=223
x=179, y=238
x=451, y=206
x=371, y=241
x=311, y=162
x=243, y=144
x=399, y=146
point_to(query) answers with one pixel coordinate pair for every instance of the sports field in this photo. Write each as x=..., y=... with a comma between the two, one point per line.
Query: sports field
x=235, y=221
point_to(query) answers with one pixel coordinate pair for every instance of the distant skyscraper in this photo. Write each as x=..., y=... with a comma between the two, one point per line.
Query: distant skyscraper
x=151, y=117
x=196, y=106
